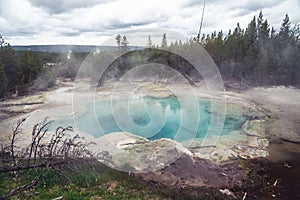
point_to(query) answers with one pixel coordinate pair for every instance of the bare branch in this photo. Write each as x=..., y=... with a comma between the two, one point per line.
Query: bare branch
x=15, y=131
x=33, y=183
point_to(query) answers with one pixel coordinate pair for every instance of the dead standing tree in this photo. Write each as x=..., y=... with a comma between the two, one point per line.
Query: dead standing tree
x=45, y=152
x=38, y=133
x=15, y=131
x=56, y=139
x=200, y=28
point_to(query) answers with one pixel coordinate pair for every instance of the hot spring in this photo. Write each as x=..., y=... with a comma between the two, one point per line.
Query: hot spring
x=149, y=117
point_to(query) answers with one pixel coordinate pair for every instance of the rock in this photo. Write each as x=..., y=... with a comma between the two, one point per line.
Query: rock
x=227, y=192
x=129, y=152
x=254, y=128
x=231, y=145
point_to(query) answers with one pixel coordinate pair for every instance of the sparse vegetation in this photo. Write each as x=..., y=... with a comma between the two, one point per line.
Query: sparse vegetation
x=249, y=126
x=58, y=164
x=61, y=167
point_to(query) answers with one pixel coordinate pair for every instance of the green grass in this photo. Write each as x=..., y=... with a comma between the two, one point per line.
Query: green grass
x=94, y=181
x=86, y=182
x=249, y=126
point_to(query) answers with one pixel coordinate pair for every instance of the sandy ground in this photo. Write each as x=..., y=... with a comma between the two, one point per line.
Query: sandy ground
x=281, y=103
x=284, y=106
x=281, y=127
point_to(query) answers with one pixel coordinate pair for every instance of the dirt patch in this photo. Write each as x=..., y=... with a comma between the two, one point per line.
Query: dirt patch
x=197, y=172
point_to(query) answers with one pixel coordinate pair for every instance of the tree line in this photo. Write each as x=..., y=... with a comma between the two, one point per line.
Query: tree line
x=255, y=55
x=27, y=71
x=18, y=70
x=258, y=53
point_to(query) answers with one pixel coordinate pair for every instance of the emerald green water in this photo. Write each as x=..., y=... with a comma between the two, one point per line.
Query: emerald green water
x=150, y=117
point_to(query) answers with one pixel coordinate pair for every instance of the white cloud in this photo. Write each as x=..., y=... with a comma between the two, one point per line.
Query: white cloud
x=88, y=22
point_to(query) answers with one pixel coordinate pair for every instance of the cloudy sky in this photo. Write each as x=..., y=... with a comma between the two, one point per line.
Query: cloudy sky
x=27, y=22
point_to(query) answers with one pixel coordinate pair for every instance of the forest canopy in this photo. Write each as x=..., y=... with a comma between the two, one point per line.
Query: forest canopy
x=20, y=70
x=258, y=54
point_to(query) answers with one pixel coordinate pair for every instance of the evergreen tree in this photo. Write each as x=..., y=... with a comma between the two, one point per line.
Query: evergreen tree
x=264, y=31
x=261, y=70
x=258, y=52
x=249, y=63
x=259, y=22
x=11, y=65
x=236, y=40
x=3, y=81
x=296, y=34
x=164, y=43
x=251, y=33
x=2, y=42
x=237, y=31
x=273, y=33
x=17, y=68
x=118, y=40
x=124, y=43
x=31, y=66
x=219, y=46
x=149, y=42
x=202, y=41
x=285, y=29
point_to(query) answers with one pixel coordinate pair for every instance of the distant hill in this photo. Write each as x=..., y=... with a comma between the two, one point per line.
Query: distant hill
x=67, y=48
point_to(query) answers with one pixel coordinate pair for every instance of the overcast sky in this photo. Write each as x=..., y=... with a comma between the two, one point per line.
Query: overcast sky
x=27, y=22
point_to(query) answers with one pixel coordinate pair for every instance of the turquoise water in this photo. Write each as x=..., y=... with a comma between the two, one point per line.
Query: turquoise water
x=148, y=117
